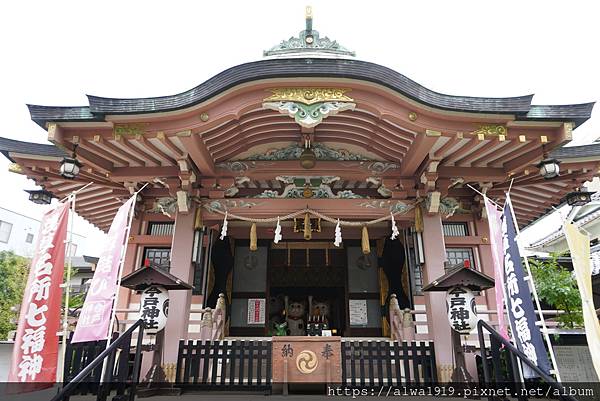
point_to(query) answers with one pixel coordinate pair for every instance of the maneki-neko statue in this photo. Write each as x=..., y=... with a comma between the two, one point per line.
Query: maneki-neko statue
x=277, y=319
x=296, y=311
x=321, y=310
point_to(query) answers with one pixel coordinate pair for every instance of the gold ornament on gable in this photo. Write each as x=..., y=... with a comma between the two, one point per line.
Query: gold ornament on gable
x=491, y=131
x=309, y=95
x=15, y=168
x=128, y=130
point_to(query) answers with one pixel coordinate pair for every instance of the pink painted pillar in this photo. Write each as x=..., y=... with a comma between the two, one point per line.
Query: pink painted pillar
x=437, y=318
x=180, y=300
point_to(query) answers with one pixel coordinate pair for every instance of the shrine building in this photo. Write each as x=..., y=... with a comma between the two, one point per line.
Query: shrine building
x=307, y=138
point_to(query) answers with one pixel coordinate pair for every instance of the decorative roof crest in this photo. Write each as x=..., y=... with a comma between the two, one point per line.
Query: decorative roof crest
x=293, y=152
x=308, y=42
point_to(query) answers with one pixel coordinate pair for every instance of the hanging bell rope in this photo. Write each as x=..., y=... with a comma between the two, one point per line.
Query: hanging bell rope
x=307, y=227
x=418, y=219
x=253, y=238
x=320, y=215
x=366, y=246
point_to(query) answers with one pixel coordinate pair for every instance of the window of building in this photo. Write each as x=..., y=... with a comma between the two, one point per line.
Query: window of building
x=417, y=272
x=161, y=228
x=29, y=238
x=459, y=255
x=455, y=229
x=5, y=230
x=160, y=257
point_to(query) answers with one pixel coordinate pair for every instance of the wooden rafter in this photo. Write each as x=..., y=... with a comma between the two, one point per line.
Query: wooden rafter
x=153, y=148
x=134, y=149
x=166, y=141
x=122, y=154
x=465, y=149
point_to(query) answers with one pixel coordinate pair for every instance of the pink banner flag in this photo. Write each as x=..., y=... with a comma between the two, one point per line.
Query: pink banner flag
x=35, y=352
x=495, y=222
x=96, y=312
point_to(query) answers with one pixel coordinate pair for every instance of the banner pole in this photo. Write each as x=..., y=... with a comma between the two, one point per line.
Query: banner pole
x=67, y=287
x=67, y=284
x=535, y=296
x=76, y=191
x=120, y=272
x=505, y=295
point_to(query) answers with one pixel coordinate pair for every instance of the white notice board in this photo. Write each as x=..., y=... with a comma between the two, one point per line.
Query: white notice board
x=256, y=310
x=358, y=312
x=575, y=363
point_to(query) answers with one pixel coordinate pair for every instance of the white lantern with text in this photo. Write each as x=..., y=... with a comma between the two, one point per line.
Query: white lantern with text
x=154, y=308
x=462, y=312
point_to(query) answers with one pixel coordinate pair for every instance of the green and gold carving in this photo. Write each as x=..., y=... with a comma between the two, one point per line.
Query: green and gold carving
x=491, y=130
x=309, y=115
x=309, y=95
x=128, y=130
x=15, y=168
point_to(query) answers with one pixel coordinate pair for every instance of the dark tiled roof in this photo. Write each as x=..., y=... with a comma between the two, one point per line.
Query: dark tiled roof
x=91, y=259
x=571, y=112
x=572, y=152
x=43, y=114
x=10, y=145
x=334, y=68
x=311, y=67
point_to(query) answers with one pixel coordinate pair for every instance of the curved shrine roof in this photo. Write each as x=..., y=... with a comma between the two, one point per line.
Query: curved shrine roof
x=312, y=67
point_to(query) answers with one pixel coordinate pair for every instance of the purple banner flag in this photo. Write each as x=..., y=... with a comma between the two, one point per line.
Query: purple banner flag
x=521, y=314
x=96, y=312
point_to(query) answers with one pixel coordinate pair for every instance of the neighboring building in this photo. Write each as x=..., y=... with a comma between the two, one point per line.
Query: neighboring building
x=84, y=267
x=313, y=134
x=18, y=234
x=586, y=218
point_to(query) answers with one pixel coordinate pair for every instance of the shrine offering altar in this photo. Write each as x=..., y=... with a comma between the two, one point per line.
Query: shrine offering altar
x=307, y=359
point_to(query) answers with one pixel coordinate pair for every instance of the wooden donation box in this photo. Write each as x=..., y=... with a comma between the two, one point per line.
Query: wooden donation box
x=307, y=359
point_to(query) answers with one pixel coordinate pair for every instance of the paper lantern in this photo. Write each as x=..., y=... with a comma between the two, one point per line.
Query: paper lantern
x=462, y=313
x=154, y=308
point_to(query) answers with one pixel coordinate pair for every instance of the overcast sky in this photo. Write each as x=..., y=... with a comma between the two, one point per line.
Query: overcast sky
x=56, y=52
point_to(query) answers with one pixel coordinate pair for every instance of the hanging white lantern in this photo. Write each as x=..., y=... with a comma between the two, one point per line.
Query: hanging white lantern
x=395, y=231
x=278, y=235
x=154, y=308
x=224, y=228
x=462, y=313
x=338, y=234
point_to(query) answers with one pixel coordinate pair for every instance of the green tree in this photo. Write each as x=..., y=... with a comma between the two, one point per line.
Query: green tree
x=13, y=272
x=558, y=288
x=75, y=299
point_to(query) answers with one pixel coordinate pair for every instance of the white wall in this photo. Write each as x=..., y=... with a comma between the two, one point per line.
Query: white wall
x=23, y=225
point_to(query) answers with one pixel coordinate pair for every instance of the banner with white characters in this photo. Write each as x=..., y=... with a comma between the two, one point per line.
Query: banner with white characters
x=96, y=312
x=521, y=314
x=35, y=352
